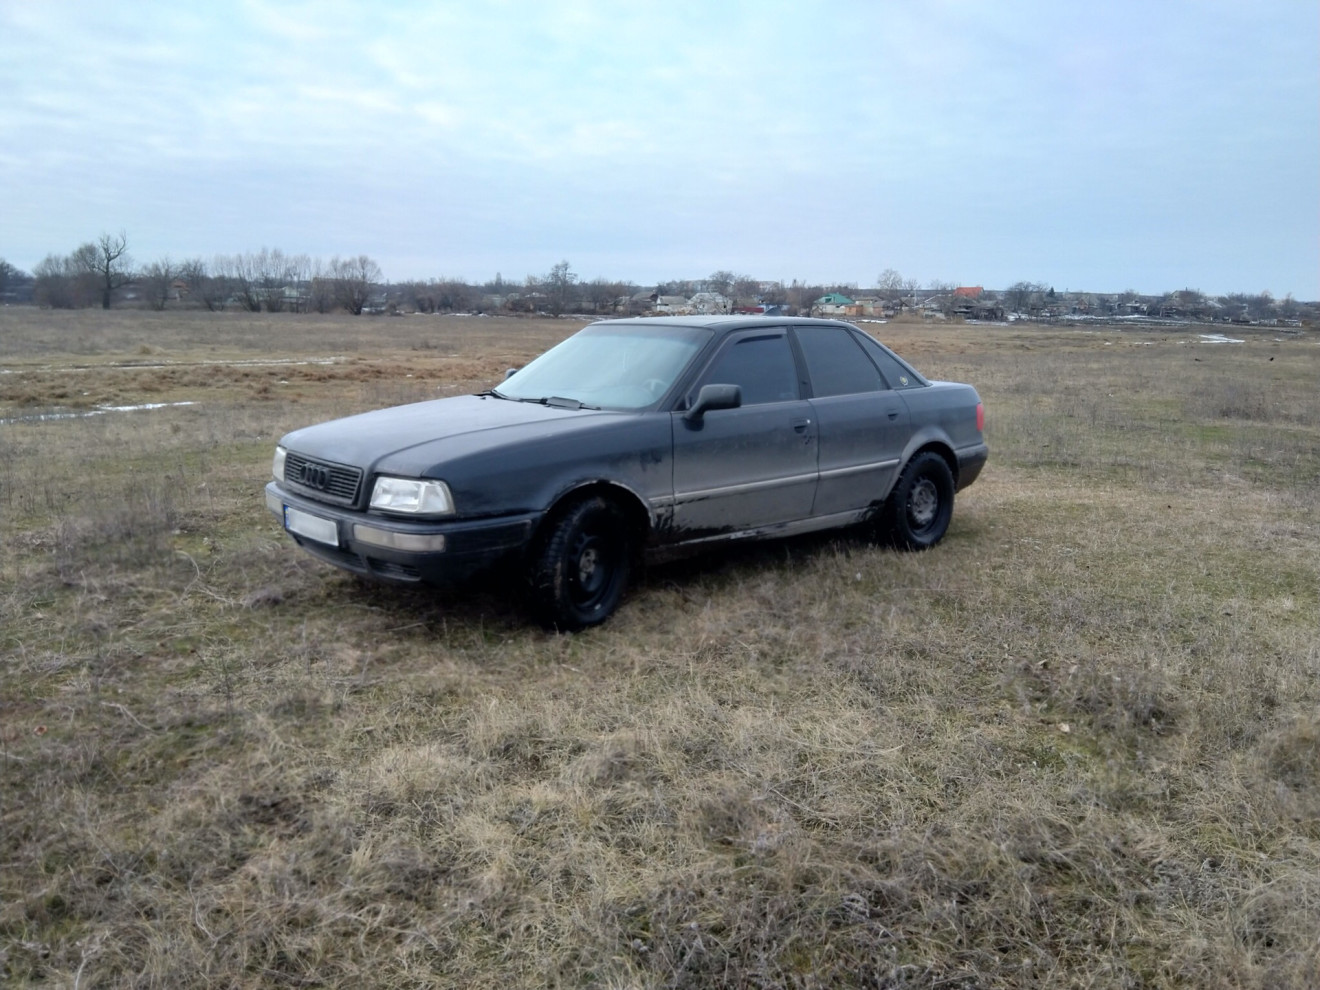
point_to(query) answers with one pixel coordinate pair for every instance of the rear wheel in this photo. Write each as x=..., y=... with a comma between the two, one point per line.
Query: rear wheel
x=580, y=567
x=916, y=515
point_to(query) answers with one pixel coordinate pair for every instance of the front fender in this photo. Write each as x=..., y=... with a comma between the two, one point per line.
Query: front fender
x=634, y=454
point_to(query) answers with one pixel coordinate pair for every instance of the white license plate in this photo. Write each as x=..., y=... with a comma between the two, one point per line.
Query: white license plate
x=310, y=526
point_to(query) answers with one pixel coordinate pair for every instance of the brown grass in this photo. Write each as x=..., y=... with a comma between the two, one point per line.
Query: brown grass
x=1076, y=745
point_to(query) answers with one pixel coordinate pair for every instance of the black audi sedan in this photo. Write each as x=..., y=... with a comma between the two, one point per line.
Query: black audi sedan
x=633, y=436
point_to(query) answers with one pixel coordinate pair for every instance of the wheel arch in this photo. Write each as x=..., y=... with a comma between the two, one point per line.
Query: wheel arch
x=934, y=445
x=634, y=508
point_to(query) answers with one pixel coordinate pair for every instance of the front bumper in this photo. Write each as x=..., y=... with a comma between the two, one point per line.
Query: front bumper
x=459, y=548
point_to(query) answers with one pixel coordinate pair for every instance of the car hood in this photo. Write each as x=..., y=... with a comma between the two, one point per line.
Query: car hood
x=446, y=428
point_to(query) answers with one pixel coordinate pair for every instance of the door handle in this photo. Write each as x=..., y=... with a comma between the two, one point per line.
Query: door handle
x=893, y=414
x=800, y=425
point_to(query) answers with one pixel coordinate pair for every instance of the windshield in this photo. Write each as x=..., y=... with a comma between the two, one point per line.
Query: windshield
x=608, y=366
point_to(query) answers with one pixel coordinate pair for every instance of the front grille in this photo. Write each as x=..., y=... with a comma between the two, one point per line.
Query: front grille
x=322, y=480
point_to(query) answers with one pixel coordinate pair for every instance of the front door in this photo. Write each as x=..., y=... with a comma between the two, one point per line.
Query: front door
x=743, y=469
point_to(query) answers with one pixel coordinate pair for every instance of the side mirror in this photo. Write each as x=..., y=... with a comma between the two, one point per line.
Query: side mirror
x=509, y=373
x=714, y=397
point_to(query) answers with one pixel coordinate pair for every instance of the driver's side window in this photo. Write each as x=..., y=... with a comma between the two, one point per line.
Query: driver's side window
x=762, y=367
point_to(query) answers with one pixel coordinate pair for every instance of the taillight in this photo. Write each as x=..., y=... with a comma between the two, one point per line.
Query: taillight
x=980, y=417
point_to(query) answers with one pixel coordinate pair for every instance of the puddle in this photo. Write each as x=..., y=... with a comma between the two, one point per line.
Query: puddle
x=47, y=417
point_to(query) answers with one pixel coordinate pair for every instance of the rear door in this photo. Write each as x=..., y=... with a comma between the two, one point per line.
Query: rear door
x=751, y=467
x=864, y=424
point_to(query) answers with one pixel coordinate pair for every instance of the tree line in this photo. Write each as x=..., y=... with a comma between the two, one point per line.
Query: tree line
x=96, y=272
x=102, y=272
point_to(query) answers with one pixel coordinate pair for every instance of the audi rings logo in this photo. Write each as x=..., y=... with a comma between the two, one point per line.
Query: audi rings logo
x=315, y=476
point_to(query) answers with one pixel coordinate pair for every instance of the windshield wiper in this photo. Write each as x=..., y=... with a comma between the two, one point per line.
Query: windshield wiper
x=559, y=402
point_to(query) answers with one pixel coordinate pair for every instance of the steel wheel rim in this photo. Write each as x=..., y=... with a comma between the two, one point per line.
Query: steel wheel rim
x=592, y=570
x=923, y=503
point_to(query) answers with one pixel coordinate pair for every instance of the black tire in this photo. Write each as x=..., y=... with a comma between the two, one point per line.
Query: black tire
x=916, y=514
x=580, y=566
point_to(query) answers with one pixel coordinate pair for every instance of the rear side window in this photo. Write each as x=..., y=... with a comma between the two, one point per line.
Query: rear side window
x=836, y=363
x=762, y=367
x=895, y=371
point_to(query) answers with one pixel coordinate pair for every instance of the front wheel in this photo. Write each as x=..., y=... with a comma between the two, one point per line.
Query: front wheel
x=580, y=568
x=916, y=515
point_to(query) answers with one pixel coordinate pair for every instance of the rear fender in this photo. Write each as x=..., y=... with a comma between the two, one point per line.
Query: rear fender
x=934, y=439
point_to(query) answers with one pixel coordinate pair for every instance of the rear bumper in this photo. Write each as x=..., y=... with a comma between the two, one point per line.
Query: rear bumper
x=456, y=549
x=970, y=462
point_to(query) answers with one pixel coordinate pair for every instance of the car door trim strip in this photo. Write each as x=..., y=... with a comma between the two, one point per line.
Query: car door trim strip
x=858, y=468
x=749, y=486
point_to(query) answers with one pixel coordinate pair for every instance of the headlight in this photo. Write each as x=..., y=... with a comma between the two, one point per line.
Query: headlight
x=418, y=498
x=277, y=465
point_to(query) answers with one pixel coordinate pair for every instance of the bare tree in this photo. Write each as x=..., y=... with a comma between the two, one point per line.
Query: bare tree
x=268, y=278
x=109, y=261
x=299, y=271
x=277, y=279
x=455, y=295
x=7, y=271
x=424, y=296
x=890, y=284
x=354, y=280
x=559, y=287
x=53, y=283
x=720, y=282
x=774, y=294
x=201, y=286
x=894, y=288
x=158, y=282
x=240, y=271
x=1261, y=306
x=744, y=291
x=606, y=296
x=66, y=281
x=1235, y=306
x=211, y=286
x=444, y=295
x=320, y=287
x=1024, y=297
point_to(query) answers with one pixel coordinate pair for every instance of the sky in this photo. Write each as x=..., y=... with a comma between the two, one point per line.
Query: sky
x=1130, y=144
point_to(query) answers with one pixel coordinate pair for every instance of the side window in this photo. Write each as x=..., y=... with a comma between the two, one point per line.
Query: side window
x=836, y=362
x=762, y=366
x=895, y=371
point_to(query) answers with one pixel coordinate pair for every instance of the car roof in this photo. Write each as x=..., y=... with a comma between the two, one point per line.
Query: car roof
x=724, y=322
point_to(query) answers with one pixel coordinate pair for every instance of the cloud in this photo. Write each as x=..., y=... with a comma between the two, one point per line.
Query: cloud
x=945, y=138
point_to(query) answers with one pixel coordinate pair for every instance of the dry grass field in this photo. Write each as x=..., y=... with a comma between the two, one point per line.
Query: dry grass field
x=1075, y=745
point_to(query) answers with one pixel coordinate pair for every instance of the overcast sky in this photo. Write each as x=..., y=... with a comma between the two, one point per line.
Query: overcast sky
x=1145, y=144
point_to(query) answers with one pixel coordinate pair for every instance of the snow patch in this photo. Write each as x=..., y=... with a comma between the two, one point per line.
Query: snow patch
x=47, y=417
